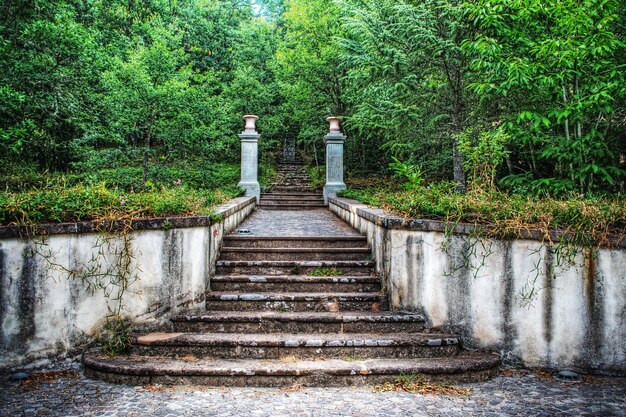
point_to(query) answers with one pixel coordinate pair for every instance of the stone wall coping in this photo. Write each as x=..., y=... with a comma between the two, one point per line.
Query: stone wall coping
x=157, y=223
x=383, y=218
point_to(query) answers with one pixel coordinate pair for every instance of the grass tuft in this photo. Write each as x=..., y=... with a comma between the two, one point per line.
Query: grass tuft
x=325, y=272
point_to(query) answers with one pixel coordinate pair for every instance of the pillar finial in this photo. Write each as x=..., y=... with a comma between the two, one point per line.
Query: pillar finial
x=334, y=124
x=250, y=123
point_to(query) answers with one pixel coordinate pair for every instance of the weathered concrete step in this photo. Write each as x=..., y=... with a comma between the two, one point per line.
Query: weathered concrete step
x=294, y=254
x=295, y=283
x=293, y=202
x=294, y=189
x=287, y=301
x=292, y=197
x=283, y=202
x=299, y=346
x=292, y=177
x=251, y=241
x=291, y=206
x=293, y=267
x=141, y=370
x=288, y=183
x=300, y=195
x=289, y=195
x=290, y=188
x=298, y=322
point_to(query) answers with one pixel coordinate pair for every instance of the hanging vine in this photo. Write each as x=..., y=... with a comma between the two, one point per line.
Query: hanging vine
x=111, y=270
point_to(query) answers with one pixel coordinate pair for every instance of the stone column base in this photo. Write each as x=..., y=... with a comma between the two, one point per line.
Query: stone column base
x=253, y=189
x=331, y=190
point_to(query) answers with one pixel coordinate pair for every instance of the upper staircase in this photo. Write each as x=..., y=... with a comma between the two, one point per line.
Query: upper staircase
x=291, y=190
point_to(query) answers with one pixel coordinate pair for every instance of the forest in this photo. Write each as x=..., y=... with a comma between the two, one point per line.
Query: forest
x=132, y=108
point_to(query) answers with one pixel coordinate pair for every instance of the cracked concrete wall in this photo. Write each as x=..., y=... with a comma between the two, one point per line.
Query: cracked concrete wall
x=575, y=319
x=43, y=313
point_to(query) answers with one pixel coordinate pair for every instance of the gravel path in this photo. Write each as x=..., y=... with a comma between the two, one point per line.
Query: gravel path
x=515, y=393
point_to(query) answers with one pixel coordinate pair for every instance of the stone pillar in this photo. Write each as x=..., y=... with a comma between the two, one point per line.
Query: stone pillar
x=250, y=158
x=334, y=159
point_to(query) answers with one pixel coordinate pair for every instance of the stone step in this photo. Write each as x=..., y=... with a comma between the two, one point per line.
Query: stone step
x=141, y=371
x=291, y=202
x=290, y=207
x=307, y=193
x=304, y=182
x=288, y=301
x=250, y=241
x=291, y=182
x=298, y=346
x=291, y=197
x=295, y=283
x=293, y=267
x=295, y=254
x=298, y=322
x=291, y=189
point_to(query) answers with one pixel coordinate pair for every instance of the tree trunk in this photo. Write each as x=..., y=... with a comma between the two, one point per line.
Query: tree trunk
x=457, y=156
x=145, y=166
x=459, y=175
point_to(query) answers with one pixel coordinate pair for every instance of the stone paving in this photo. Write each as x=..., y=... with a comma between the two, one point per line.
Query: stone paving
x=515, y=393
x=318, y=222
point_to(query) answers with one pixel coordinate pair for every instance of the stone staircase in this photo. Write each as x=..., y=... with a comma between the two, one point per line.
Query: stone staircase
x=291, y=190
x=295, y=300
x=270, y=320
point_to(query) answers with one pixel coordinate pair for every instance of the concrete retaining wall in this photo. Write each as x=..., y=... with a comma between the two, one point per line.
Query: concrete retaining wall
x=45, y=313
x=576, y=319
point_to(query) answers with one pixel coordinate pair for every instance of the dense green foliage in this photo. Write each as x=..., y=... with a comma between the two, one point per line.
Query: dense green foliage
x=87, y=85
x=527, y=97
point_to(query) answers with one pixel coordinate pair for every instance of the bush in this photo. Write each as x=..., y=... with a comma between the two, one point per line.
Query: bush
x=589, y=220
x=59, y=203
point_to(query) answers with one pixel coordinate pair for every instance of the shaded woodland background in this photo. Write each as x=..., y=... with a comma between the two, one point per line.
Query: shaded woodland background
x=527, y=96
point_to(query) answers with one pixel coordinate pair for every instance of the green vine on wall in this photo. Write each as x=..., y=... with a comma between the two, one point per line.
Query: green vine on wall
x=112, y=270
x=479, y=239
